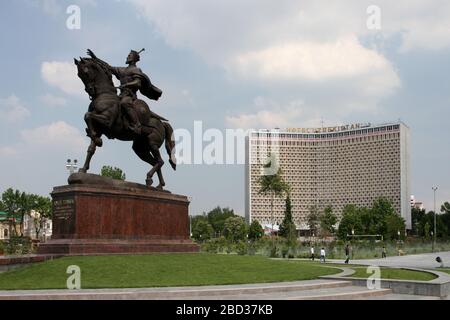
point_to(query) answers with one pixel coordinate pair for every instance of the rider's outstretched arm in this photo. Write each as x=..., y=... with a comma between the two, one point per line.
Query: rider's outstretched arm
x=113, y=70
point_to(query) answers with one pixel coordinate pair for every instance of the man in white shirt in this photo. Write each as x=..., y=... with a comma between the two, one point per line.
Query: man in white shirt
x=312, y=253
x=322, y=255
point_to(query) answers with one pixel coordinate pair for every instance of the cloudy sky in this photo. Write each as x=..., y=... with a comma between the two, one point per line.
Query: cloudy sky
x=230, y=64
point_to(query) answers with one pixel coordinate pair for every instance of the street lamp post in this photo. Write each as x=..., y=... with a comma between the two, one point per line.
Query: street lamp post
x=353, y=236
x=72, y=166
x=435, y=233
x=432, y=242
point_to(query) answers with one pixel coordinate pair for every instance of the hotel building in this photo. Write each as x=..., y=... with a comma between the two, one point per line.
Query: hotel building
x=336, y=166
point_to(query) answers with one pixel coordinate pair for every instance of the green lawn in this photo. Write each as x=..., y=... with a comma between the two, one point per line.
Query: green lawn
x=161, y=270
x=394, y=274
x=447, y=270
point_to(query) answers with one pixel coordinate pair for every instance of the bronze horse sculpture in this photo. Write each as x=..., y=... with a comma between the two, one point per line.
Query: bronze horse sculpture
x=105, y=117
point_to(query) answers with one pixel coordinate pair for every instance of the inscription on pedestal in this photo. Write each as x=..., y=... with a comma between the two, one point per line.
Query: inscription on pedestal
x=63, y=209
x=63, y=217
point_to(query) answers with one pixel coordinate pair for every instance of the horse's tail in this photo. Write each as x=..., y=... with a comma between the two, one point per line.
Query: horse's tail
x=170, y=144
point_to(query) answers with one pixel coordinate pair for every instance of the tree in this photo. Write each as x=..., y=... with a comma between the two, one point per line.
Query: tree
x=381, y=219
x=350, y=221
x=313, y=220
x=197, y=219
x=256, y=231
x=202, y=230
x=445, y=218
x=217, y=217
x=288, y=229
x=328, y=221
x=418, y=221
x=272, y=185
x=235, y=229
x=426, y=230
x=115, y=173
x=394, y=224
x=42, y=213
x=377, y=216
x=26, y=204
x=11, y=203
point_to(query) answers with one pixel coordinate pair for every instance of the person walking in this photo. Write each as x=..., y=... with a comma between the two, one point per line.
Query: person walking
x=383, y=253
x=322, y=255
x=312, y=253
x=347, y=254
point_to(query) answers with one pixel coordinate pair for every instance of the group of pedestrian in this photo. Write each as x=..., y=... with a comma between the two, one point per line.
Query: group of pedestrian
x=322, y=254
x=347, y=254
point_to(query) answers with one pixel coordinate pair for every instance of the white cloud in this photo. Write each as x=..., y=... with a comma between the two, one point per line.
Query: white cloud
x=55, y=8
x=344, y=59
x=422, y=24
x=53, y=101
x=50, y=7
x=264, y=39
x=58, y=135
x=12, y=109
x=212, y=28
x=279, y=43
x=7, y=151
x=269, y=114
x=62, y=75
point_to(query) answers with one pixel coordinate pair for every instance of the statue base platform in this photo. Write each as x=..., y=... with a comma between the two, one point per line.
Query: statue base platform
x=94, y=218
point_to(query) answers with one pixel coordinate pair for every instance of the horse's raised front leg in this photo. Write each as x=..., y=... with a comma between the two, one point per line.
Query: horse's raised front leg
x=90, y=153
x=92, y=118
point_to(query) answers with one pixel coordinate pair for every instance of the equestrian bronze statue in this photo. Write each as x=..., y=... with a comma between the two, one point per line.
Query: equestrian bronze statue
x=125, y=117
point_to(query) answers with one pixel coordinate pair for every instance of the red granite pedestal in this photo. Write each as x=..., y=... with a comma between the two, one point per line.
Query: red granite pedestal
x=115, y=219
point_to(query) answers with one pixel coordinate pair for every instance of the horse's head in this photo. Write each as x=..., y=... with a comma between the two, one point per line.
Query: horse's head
x=93, y=76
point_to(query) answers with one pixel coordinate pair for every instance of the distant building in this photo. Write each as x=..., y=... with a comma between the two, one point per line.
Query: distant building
x=4, y=226
x=416, y=204
x=352, y=164
x=28, y=227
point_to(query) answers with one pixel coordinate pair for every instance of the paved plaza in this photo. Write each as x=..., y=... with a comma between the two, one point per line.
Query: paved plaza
x=420, y=261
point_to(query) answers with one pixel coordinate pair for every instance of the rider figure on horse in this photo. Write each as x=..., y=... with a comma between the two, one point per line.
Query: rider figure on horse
x=132, y=80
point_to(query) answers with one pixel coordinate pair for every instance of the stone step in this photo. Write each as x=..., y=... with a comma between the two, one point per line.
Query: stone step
x=394, y=296
x=337, y=293
x=350, y=293
x=196, y=293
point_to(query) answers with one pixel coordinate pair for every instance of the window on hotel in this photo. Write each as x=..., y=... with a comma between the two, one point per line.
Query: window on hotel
x=5, y=233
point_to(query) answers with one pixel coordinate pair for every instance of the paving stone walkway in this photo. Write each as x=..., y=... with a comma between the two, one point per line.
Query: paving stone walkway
x=421, y=261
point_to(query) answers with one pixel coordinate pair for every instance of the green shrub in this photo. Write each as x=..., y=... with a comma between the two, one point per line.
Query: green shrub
x=252, y=248
x=241, y=248
x=18, y=246
x=284, y=251
x=210, y=247
x=273, y=251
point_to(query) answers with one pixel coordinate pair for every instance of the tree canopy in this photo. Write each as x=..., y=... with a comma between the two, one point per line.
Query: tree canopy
x=328, y=221
x=17, y=204
x=235, y=229
x=217, y=217
x=256, y=231
x=380, y=219
x=288, y=229
x=115, y=173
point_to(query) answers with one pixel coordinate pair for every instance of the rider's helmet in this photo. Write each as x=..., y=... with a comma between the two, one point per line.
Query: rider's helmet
x=134, y=56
